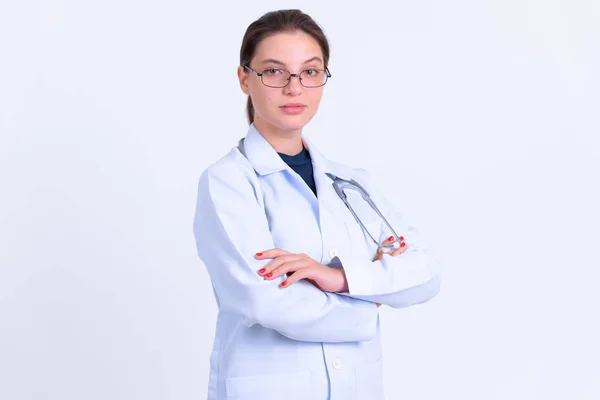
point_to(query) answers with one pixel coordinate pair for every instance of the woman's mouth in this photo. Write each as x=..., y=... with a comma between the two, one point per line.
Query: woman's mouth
x=293, y=108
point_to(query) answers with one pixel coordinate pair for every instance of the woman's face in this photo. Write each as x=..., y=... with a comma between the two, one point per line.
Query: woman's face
x=294, y=52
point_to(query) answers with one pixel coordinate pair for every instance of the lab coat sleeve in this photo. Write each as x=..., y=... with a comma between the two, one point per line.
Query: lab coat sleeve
x=412, y=277
x=230, y=226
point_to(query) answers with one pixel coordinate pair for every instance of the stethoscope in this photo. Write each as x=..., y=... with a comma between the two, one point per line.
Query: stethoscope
x=339, y=185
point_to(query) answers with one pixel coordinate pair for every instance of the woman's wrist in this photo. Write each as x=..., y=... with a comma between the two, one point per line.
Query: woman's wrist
x=343, y=281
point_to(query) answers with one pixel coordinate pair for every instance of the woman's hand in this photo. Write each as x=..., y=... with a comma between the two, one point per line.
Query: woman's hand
x=301, y=266
x=399, y=250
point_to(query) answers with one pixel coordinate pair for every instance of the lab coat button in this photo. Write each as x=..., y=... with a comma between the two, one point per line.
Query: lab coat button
x=337, y=363
x=333, y=252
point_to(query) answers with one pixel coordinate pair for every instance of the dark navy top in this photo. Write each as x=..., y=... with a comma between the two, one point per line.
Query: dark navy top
x=303, y=166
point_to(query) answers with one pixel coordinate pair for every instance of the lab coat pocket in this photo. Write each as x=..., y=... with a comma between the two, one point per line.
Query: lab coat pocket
x=289, y=386
x=369, y=381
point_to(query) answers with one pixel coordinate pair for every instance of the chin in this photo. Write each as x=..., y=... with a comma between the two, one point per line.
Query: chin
x=293, y=123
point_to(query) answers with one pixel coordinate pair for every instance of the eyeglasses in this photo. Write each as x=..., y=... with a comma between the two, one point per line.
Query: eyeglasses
x=280, y=78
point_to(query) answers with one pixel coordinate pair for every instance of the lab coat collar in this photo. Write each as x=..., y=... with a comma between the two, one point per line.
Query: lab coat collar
x=265, y=160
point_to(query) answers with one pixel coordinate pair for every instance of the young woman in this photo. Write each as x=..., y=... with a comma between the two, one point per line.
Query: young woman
x=298, y=276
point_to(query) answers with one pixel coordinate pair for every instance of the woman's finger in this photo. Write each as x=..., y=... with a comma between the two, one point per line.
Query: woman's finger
x=292, y=265
x=396, y=252
x=299, y=274
x=271, y=253
x=399, y=250
x=277, y=262
x=393, y=252
x=393, y=239
x=379, y=254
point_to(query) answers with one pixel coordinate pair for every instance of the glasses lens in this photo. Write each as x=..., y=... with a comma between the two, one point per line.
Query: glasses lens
x=313, y=77
x=275, y=77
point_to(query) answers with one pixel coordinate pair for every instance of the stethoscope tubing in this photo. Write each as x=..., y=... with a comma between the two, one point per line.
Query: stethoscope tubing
x=339, y=185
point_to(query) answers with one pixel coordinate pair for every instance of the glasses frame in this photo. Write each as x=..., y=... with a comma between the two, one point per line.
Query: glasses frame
x=290, y=75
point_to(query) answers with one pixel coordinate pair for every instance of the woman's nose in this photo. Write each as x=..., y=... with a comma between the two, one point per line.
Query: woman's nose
x=294, y=86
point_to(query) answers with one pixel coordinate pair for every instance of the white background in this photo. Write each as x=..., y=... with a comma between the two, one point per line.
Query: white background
x=480, y=119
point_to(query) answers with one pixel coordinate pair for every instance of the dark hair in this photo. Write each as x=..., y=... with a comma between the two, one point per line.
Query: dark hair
x=275, y=22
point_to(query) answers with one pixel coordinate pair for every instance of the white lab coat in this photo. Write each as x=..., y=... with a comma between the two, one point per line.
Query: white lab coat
x=299, y=343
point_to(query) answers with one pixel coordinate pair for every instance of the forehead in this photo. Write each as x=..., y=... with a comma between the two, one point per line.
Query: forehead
x=291, y=48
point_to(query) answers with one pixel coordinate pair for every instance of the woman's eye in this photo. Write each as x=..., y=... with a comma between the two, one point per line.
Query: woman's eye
x=272, y=71
x=311, y=72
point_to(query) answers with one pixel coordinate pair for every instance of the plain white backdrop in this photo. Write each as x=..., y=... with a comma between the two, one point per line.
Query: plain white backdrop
x=480, y=119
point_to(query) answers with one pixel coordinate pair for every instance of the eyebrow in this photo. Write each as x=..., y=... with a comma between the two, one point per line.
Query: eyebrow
x=274, y=61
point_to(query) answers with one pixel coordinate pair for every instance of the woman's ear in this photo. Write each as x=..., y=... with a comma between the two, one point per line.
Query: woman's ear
x=243, y=77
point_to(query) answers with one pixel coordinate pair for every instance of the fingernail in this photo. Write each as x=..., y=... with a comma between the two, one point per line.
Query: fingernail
x=390, y=238
x=284, y=283
x=260, y=271
x=401, y=238
x=403, y=245
x=259, y=254
x=270, y=274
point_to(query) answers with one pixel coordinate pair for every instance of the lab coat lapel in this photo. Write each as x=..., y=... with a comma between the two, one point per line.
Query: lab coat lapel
x=261, y=154
x=331, y=220
x=322, y=165
x=265, y=160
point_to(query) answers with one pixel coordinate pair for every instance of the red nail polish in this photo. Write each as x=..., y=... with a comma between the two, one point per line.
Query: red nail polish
x=401, y=238
x=270, y=274
x=284, y=283
x=403, y=245
x=259, y=254
x=390, y=238
x=261, y=270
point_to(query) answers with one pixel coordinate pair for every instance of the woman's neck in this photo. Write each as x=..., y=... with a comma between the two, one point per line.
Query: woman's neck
x=286, y=142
